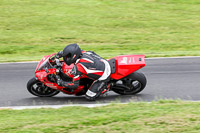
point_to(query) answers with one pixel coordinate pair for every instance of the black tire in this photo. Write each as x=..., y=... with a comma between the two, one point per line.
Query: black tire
x=137, y=83
x=37, y=88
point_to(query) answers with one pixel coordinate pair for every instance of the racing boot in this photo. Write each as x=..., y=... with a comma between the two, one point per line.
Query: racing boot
x=97, y=88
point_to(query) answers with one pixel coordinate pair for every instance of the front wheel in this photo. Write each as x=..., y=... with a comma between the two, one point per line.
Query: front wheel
x=37, y=88
x=130, y=85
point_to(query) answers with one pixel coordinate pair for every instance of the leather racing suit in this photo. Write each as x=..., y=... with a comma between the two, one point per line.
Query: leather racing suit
x=92, y=66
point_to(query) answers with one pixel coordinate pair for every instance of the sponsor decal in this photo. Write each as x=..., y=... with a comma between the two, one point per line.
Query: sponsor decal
x=51, y=85
x=68, y=72
x=127, y=60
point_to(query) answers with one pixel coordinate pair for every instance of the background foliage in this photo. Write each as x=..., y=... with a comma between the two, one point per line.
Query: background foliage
x=30, y=29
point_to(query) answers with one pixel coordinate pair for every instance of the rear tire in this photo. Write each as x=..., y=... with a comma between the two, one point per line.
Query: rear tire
x=37, y=88
x=130, y=85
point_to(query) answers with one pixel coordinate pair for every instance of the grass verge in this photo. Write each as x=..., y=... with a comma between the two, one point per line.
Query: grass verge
x=33, y=28
x=162, y=116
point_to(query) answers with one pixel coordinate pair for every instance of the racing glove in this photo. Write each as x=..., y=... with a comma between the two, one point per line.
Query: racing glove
x=59, y=54
x=71, y=85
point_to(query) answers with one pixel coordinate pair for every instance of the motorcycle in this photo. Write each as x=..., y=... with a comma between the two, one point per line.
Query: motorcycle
x=124, y=79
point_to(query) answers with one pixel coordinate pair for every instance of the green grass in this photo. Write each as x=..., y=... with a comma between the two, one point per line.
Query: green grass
x=156, y=117
x=30, y=29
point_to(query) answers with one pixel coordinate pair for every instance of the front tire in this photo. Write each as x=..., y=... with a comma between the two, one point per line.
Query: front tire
x=37, y=88
x=130, y=85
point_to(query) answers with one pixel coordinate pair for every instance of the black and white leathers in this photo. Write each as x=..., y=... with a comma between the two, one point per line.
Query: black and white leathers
x=92, y=66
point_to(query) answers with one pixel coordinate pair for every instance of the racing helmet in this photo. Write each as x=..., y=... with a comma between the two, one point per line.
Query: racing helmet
x=71, y=53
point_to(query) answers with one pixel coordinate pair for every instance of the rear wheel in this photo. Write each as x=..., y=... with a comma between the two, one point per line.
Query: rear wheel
x=37, y=88
x=130, y=85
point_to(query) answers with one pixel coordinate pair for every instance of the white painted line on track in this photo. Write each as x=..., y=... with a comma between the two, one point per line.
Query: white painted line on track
x=71, y=105
x=154, y=58
x=53, y=106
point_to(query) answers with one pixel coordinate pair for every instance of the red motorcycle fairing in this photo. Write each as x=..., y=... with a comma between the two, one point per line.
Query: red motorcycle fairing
x=127, y=64
x=45, y=58
x=42, y=76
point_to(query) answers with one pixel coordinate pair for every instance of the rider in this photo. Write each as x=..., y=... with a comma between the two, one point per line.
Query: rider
x=88, y=64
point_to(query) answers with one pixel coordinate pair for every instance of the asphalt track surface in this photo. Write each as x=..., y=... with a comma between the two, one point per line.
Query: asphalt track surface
x=168, y=78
